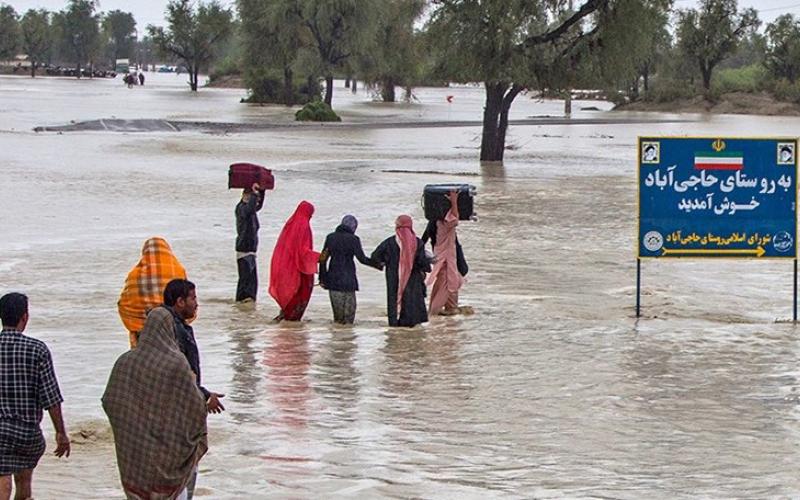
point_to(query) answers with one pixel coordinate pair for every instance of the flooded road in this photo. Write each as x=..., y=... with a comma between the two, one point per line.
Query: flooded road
x=552, y=389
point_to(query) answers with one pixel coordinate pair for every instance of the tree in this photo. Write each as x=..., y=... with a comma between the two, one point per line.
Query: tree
x=711, y=33
x=340, y=29
x=119, y=29
x=79, y=28
x=36, y=39
x=274, y=39
x=783, y=48
x=394, y=59
x=144, y=52
x=9, y=32
x=193, y=34
x=510, y=44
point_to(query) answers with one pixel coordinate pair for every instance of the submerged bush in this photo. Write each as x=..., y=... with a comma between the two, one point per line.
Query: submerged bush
x=317, y=111
x=267, y=87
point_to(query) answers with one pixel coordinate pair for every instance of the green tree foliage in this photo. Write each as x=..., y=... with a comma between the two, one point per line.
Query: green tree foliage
x=752, y=50
x=36, y=37
x=119, y=30
x=9, y=32
x=630, y=43
x=783, y=48
x=510, y=45
x=145, y=52
x=339, y=30
x=275, y=45
x=79, y=32
x=193, y=34
x=712, y=32
x=395, y=58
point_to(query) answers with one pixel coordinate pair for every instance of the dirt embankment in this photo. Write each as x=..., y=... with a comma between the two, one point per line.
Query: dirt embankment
x=227, y=82
x=740, y=103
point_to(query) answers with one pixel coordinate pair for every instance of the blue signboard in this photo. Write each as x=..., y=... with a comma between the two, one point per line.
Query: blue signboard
x=716, y=197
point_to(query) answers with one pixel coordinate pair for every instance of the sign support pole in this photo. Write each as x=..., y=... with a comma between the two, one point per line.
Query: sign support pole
x=794, y=317
x=639, y=287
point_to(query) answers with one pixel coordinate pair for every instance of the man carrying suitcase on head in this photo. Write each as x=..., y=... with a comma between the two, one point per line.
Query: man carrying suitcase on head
x=247, y=242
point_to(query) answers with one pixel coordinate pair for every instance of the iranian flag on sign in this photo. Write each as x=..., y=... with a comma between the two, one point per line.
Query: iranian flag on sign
x=724, y=160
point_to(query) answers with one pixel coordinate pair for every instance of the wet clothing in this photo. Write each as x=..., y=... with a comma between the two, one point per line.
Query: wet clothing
x=413, y=310
x=184, y=334
x=247, y=227
x=445, y=278
x=295, y=307
x=157, y=414
x=28, y=386
x=461, y=261
x=247, y=287
x=144, y=286
x=337, y=271
x=294, y=263
x=344, y=307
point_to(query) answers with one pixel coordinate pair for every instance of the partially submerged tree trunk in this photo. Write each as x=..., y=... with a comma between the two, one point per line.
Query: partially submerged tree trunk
x=329, y=90
x=354, y=87
x=568, y=102
x=347, y=82
x=387, y=90
x=79, y=70
x=193, y=71
x=499, y=96
x=288, y=86
x=33, y=69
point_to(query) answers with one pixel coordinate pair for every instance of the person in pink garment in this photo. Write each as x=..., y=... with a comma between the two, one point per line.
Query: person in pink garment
x=445, y=278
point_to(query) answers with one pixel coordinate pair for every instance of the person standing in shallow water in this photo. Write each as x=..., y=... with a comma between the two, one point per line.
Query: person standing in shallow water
x=337, y=271
x=180, y=298
x=445, y=279
x=293, y=265
x=157, y=414
x=28, y=385
x=144, y=286
x=247, y=227
x=406, y=264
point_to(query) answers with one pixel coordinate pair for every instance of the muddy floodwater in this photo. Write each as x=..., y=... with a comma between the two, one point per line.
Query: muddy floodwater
x=552, y=389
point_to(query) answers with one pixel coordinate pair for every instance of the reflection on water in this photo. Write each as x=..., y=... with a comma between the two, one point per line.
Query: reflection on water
x=287, y=360
x=552, y=389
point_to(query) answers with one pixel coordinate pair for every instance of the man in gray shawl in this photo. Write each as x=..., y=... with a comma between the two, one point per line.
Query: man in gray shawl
x=157, y=414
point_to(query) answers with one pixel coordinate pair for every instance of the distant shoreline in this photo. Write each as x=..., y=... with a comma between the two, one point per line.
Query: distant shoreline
x=735, y=103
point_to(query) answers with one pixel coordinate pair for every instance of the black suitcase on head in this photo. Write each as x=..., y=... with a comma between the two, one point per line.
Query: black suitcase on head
x=436, y=203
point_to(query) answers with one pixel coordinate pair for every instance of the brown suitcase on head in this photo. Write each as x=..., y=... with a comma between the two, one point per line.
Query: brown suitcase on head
x=244, y=175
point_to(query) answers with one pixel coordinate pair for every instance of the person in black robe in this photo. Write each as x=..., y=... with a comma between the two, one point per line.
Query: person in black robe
x=410, y=264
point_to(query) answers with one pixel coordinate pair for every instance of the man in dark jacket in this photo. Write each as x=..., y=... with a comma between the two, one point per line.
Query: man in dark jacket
x=247, y=242
x=339, y=275
x=180, y=298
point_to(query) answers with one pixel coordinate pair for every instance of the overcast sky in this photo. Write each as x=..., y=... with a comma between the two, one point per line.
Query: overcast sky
x=152, y=11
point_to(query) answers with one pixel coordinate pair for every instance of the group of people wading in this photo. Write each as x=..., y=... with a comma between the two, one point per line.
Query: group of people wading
x=408, y=267
x=154, y=399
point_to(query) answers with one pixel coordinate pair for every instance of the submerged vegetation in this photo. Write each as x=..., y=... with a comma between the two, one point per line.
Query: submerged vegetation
x=641, y=53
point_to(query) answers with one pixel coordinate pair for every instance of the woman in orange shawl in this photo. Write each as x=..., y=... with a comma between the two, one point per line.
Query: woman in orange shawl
x=144, y=286
x=294, y=263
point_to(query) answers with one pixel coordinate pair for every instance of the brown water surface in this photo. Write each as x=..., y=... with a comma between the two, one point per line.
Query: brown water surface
x=551, y=389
